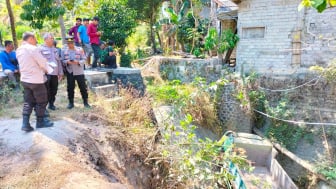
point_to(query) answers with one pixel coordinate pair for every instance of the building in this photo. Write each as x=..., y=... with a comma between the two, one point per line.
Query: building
x=277, y=38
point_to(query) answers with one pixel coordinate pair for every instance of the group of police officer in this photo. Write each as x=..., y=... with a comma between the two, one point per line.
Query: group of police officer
x=41, y=68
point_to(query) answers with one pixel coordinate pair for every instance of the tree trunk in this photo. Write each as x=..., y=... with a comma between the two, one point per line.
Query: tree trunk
x=63, y=32
x=61, y=23
x=152, y=36
x=12, y=22
x=159, y=38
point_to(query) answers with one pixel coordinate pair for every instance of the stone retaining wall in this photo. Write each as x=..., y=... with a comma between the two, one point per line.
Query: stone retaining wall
x=231, y=114
x=311, y=98
x=313, y=102
x=129, y=77
x=187, y=69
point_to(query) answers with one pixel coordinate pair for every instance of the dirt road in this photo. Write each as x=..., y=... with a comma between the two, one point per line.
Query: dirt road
x=64, y=156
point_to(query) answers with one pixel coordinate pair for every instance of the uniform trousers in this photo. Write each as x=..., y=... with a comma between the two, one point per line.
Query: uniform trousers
x=71, y=86
x=52, y=86
x=35, y=96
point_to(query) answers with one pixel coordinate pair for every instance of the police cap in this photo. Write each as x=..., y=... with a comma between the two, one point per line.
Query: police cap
x=69, y=39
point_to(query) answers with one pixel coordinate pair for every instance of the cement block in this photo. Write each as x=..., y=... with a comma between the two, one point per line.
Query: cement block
x=109, y=90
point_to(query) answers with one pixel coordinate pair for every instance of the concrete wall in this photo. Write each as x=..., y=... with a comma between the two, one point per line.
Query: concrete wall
x=277, y=38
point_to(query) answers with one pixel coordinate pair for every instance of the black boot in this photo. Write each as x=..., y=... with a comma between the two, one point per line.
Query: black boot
x=25, y=124
x=70, y=105
x=86, y=104
x=51, y=106
x=42, y=122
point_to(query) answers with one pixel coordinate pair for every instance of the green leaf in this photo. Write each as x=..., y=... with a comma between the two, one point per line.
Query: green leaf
x=317, y=3
x=322, y=7
x=332, y=2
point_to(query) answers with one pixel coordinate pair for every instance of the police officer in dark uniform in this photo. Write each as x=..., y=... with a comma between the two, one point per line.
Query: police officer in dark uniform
x=73, y=58
x=51, y=54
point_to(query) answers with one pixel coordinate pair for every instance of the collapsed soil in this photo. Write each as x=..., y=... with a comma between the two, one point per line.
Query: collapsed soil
x=82, y=150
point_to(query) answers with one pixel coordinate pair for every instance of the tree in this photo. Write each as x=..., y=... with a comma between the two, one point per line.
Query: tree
x=12, y=22
x=38, y=10
x=117, y=21
x=147, y=11
x=319, y=5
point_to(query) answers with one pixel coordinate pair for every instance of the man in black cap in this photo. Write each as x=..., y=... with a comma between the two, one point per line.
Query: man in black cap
x=73, y=58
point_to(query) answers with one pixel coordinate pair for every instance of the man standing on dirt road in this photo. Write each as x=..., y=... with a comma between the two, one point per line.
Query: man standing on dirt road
x=51, y=54
x=33, y=68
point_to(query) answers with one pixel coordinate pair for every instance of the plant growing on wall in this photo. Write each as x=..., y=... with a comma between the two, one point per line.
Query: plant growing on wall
x=328, y=73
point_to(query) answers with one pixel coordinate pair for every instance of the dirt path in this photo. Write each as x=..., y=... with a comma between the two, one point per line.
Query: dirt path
x=64, y=156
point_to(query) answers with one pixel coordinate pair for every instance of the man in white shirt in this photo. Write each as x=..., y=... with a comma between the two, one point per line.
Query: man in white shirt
x=33, y=69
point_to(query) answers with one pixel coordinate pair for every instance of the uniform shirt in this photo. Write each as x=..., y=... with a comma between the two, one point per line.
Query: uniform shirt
x=76, y=54
x=73, y=32
x=51, y=54
x=92, y=32
x=82, y=30
x=6, y=63
x=33, y=66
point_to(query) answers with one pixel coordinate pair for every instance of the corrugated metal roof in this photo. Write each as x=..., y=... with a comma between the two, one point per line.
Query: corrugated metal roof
x=227, y=10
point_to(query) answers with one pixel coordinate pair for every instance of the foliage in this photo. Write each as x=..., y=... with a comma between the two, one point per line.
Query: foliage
x=211, y=39
x=38, y=10
x=190, y=35
x=20, y=29
x=319, y=5
x=328, y=169
x=197, y=163
x=228, y=40
x=138, y=39
x=117, y=22
x=146, y=10
x=285, y=133
x=194, y=99
x=201, y=106
x=282, y=132
x=126, y=59
x=171, y=93
x=329, y=73
x=9, y=97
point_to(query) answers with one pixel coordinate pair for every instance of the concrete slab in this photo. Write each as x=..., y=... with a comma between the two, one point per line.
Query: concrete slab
x=97, y=78
x=122, y=70
x=109, y=90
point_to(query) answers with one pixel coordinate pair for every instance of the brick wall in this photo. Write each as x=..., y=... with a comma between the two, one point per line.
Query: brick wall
x=276, y=38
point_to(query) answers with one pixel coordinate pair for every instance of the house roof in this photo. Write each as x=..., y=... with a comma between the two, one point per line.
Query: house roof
x=227, y=10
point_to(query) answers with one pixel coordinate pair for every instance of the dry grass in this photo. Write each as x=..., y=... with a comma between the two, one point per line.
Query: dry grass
x=202, y=109
x=132, y=115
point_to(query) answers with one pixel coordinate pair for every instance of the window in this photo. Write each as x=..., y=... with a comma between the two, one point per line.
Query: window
x=253, y=32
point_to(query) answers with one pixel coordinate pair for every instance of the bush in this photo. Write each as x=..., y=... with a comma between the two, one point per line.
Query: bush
x=126, y=59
